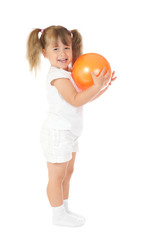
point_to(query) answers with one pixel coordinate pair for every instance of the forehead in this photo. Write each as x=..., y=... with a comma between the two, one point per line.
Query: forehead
x=59, y=42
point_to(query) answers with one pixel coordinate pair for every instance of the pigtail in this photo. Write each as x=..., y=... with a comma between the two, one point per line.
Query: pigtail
x=34, y=48
x=76, y=45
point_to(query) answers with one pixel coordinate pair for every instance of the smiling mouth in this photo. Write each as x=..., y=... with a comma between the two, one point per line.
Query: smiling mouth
x=62, y=60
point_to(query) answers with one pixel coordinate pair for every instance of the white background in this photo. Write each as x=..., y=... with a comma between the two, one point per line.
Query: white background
x=116, y=182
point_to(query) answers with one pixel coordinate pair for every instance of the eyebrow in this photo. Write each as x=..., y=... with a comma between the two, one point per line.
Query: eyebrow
x=55, y=46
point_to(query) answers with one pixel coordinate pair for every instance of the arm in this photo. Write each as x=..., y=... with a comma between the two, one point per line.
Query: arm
x=69, y=93
x=100, y=93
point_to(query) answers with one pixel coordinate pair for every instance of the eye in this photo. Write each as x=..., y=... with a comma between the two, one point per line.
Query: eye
x=55, y=49
x=67, y=48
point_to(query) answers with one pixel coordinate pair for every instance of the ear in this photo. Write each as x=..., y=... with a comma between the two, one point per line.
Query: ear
x=43, y=53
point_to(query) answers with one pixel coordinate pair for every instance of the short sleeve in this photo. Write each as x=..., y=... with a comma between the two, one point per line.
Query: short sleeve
x=55, y=73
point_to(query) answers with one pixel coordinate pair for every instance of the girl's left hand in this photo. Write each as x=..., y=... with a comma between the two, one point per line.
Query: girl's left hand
x=106, y=87
x=112, y=77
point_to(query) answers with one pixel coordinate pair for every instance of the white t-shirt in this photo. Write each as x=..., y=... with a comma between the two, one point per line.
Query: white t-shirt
x=61, y=114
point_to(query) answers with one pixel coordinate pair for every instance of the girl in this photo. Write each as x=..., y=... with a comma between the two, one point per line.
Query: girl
x=63, y=126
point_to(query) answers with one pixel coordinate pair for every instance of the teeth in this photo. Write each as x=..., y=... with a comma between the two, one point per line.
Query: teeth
x=62, y=60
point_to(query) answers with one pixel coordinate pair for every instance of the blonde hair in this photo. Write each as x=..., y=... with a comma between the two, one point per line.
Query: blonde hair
x=35, y=44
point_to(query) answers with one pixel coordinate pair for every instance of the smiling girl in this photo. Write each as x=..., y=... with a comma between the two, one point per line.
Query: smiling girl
x=63, y=126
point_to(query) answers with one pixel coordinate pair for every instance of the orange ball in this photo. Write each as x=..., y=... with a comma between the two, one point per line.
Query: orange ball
x=84, y=65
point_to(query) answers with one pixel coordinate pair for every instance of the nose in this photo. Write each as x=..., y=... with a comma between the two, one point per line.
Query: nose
x=62, y=52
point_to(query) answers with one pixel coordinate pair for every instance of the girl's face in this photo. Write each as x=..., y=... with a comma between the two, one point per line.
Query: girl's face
x=59, y=56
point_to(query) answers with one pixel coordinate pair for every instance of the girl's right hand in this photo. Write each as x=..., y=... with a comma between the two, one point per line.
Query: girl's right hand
x=101, y=80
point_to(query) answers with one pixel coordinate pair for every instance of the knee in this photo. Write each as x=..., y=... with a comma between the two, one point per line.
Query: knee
x=69, y=172
x=60, y=177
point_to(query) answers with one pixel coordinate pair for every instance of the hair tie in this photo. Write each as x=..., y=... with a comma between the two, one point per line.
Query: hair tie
x=71, y=33
x=40, y=33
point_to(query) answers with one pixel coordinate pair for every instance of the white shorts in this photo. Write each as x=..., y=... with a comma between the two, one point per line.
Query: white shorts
x=58, y=145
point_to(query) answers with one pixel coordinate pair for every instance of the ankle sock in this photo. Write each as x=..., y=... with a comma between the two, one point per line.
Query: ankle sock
x=63, y=218
x=65, y=203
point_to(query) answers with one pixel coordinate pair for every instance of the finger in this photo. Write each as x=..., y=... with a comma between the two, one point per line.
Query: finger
x=108, y=81
x=107, y=77
x=107, y=74
x=113, y=73
x=93, y=74
x=103, y=72
x=113, y=78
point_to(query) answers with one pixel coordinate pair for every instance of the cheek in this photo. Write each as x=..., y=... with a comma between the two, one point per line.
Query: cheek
x=71, y=55
x=53, y=56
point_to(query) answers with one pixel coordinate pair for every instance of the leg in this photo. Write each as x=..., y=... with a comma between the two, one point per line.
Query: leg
x=56, y=174
x=66, y=186
x=69, y=172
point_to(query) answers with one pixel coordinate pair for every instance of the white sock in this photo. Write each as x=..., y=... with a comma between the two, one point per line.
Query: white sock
x=65, y=202
x=62, y=218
